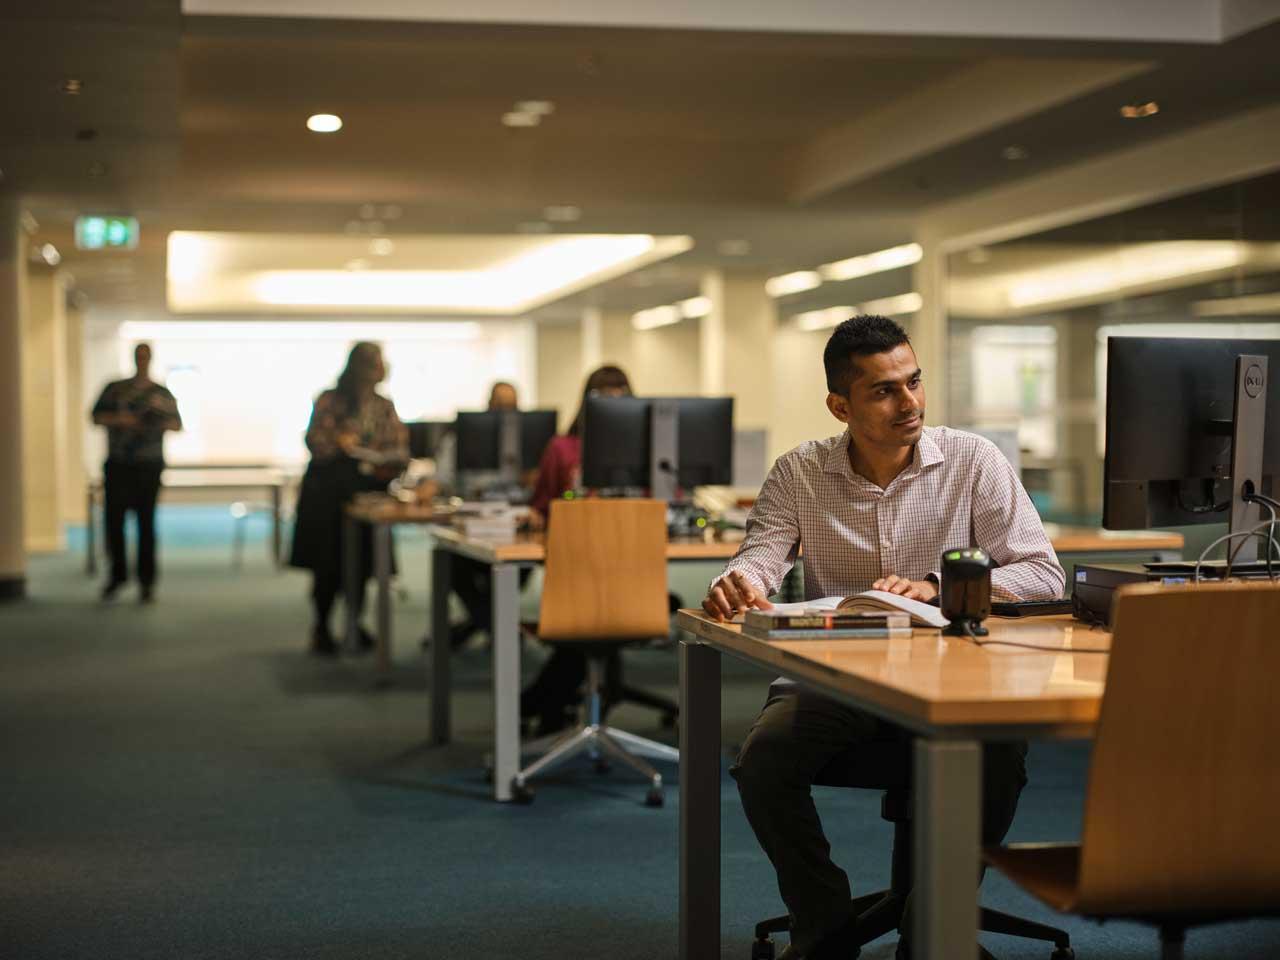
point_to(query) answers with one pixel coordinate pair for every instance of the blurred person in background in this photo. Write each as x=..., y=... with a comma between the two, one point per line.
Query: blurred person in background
x=136, y=413
x=357, y=443
x=555, y=692
x=473, y=581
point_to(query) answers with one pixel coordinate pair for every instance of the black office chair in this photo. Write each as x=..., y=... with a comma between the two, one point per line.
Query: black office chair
x=881, y=912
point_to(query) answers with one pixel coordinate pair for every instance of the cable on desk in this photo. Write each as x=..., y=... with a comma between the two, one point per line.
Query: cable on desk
x=1253, y=532
x=979, y=641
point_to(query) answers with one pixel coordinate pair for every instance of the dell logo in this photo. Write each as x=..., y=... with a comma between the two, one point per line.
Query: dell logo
x=1254, y=380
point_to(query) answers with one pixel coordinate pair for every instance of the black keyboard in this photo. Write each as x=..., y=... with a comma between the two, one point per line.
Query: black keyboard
x=1030, y=608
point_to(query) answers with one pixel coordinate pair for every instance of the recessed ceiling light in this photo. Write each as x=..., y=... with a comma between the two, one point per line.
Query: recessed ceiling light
x=539, y=108
x=324, y=123
x=368, y=211
x=1015, y=152
x=49, y=253
x=734, y=248
x=562, y=213
x=381, y=247
x=71, y=87
x=517, y=119
x=1136, y=111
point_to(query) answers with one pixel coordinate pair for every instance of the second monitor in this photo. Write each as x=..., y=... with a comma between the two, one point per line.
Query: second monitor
x=505, y=442
x=657, y=442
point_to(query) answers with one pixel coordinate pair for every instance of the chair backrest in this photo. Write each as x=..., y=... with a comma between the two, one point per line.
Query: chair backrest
x=606, y=571
x=1184, y=784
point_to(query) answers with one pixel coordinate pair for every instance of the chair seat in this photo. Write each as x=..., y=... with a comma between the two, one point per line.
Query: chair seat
x=1049, y=871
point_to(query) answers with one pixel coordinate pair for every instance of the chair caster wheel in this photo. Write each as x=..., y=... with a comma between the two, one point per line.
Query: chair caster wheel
x=1063, y=953
x=521, y=793
x=762, y=949
x=602, y=766
x=654, y=798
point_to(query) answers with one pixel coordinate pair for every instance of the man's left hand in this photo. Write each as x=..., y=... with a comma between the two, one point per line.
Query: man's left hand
x=922, y=590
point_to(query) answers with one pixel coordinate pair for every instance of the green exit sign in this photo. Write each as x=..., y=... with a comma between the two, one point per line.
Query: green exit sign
x=106, y=233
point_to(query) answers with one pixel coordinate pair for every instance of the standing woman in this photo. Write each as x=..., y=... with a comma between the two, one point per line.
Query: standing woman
x=357, y=443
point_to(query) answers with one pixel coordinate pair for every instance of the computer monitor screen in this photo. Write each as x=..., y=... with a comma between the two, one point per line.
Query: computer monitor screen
x=424, y=436
x=616, y=441
x=705, y=441
x=1170, y=403
x=479, y=437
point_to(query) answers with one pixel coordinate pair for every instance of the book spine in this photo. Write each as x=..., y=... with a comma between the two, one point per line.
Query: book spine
x=864, y=633
x=768, y=621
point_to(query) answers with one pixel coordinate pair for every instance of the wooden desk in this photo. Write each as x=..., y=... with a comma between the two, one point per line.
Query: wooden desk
x=224, y=478
x=505, y=560
x=951, y=693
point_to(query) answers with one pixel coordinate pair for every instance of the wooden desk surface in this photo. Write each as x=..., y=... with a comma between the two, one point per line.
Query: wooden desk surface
x=389, y=510
x=928, y=681
x=1091, y=540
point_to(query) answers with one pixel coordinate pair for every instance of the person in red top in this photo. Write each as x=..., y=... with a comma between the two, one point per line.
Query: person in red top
x=555, y=690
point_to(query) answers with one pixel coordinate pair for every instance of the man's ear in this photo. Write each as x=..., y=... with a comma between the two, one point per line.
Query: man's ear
x=839, y=407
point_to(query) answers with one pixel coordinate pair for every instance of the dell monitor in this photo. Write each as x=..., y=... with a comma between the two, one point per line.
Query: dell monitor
x=1192, y=429
x=659, y=443
x=503, y=441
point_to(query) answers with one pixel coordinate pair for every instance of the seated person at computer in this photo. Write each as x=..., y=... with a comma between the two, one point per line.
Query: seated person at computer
x=872, y=508
x=472, y=581
x=357, y=443
x=555, y=690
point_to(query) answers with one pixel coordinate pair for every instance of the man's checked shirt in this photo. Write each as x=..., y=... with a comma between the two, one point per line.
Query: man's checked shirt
x=958, y=491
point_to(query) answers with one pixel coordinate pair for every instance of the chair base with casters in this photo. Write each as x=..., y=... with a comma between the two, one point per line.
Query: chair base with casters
x=880, y=913
x=595, y=737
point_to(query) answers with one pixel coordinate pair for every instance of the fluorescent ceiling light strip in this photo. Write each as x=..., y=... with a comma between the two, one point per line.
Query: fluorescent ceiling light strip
x=789, y=283
x=656, y=317
x=695, y=307
x=890, y=258
x=246, y=331
x=1134, y=267
x=834, y=316
x=1238, y=306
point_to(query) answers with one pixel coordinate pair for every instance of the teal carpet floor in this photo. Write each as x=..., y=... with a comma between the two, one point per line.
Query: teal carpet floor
x=184, y=781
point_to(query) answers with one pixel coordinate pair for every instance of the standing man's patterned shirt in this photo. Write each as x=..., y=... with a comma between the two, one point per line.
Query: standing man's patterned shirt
x=153, y=405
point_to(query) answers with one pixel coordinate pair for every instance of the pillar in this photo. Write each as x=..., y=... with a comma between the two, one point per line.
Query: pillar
x=1079, y=485
x=736, y=345
x=75, y=420
x=44, y=408
x=928, y=329
x=13, y=557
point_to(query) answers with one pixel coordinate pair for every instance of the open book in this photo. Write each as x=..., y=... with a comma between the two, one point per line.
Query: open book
x=922, y=614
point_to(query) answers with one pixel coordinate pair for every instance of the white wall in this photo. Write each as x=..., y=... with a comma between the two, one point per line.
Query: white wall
x=245, y=387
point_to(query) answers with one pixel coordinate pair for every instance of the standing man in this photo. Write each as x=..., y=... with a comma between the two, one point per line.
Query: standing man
x=872, y=508
x=136, y=413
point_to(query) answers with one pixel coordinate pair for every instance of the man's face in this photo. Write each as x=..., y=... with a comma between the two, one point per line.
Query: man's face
x=503, y=397
x=885, y=405
x=142, y=358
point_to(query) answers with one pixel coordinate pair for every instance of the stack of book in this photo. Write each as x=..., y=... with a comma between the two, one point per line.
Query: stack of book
x=824, y=624
x=488, y=521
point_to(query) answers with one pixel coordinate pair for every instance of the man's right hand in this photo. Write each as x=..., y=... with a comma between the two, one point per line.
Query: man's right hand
x=731, y=593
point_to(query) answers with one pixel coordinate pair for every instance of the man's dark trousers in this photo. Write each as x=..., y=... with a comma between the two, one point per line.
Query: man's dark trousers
x=795, y=736
x=131, y=486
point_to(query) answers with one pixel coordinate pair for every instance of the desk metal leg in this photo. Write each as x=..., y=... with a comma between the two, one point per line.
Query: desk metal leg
x=276, y=533
x=91, y=535
x=351, y=579
x=441, y=653
x=948, y=797
x=699, y=801
x=382, y=570
x=506, y=677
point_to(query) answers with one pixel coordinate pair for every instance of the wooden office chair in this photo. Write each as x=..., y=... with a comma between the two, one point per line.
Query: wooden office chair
x=604, y=586
x=1179, y=818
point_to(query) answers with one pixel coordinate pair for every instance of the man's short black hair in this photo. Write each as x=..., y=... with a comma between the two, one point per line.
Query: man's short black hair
x=858, y=337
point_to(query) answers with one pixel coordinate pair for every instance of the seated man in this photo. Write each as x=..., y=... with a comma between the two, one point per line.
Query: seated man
x=873, y=508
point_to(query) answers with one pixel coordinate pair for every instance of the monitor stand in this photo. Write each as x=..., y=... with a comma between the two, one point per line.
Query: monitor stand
x=1248, y=429
x=664, y=447
x=509, y=448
